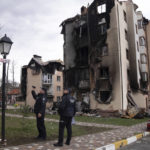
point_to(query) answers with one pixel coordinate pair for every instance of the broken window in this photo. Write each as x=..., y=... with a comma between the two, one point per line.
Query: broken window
x=47, y=78
x=142, y=41
x=125, y=16
x=101, y=9
x=102, y=28
x=82, y=56
x=58, y=78
x=104, y=72
x=58, y=88
x=58, y=98
x=104, y=95
x=137, y=46
x=104, y=51
x=143, y=59
x=140, y=24
x=126, y=35
x=127, y=53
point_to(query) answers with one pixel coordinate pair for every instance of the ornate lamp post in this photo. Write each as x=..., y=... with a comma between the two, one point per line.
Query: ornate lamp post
x=5, y=46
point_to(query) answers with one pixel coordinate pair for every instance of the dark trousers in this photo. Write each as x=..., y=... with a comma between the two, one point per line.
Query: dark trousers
x=41, y=126
x=65, y=122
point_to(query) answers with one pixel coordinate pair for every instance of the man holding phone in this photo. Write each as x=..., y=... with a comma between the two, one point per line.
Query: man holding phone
x=39, y=110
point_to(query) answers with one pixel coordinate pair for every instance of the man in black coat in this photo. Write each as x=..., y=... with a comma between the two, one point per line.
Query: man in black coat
x=39, y=110
x=67, y=112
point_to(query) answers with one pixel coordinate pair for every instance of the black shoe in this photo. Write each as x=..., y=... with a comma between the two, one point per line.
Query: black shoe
x=67, y=143
x=43, y=138
x=38, y=138
x=58, y=144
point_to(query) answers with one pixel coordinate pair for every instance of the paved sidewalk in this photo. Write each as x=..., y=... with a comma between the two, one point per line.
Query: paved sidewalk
x=88, y=142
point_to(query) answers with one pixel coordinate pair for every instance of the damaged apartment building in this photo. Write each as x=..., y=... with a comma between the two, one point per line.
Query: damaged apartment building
x=105, y=56
x=42, y=74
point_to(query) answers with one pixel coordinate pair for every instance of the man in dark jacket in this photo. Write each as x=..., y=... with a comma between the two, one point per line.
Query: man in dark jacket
x=66, y=111
x=39, y=110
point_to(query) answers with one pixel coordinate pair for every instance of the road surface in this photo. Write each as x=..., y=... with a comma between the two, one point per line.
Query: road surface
x=143, y=144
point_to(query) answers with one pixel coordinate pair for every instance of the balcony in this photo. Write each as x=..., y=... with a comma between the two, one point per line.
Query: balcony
x=47, y=82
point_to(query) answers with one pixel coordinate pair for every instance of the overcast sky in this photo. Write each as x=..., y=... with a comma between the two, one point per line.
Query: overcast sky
x=33, y=26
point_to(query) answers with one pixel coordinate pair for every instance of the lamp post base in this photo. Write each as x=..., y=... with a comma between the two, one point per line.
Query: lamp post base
x=3, y=143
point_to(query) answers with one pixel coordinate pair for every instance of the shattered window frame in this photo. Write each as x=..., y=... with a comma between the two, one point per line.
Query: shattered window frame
x=104, y=51
x=58, y=78
x=102, y=28
x=47, y=78
x=101, y=8
x=104, y=72
x=104, y=96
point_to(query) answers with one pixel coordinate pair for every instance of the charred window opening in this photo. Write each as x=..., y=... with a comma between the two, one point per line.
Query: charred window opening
x=35, y=71
x=104, y=51
x=102, y=28
x=126, y=34
x=81, y=31
x=83, y=77
x=69, y=78
x=101, y=9
x=82, y=56
x=104, y=72
x=81, y=35
x=96, y=29
x=125, y=16
x=104, y=95
x=127, y=54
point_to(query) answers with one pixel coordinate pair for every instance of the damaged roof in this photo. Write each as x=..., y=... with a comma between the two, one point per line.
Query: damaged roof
x=48, y=66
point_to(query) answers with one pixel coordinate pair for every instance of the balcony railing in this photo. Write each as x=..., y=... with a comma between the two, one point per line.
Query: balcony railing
x=46, y=82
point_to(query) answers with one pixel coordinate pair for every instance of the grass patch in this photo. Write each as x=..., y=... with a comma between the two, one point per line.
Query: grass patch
x=22, y=131
x=110, y=121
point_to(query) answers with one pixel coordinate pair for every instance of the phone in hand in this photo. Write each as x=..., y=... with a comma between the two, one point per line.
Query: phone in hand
x=33, y=87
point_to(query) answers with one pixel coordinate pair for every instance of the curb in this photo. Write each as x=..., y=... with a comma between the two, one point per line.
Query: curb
x=122, y=143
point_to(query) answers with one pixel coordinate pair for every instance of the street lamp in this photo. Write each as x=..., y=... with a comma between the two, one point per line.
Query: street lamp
x=5, y=46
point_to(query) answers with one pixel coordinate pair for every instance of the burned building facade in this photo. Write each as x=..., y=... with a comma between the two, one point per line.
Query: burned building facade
x=103, y=59
x=42, y=74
